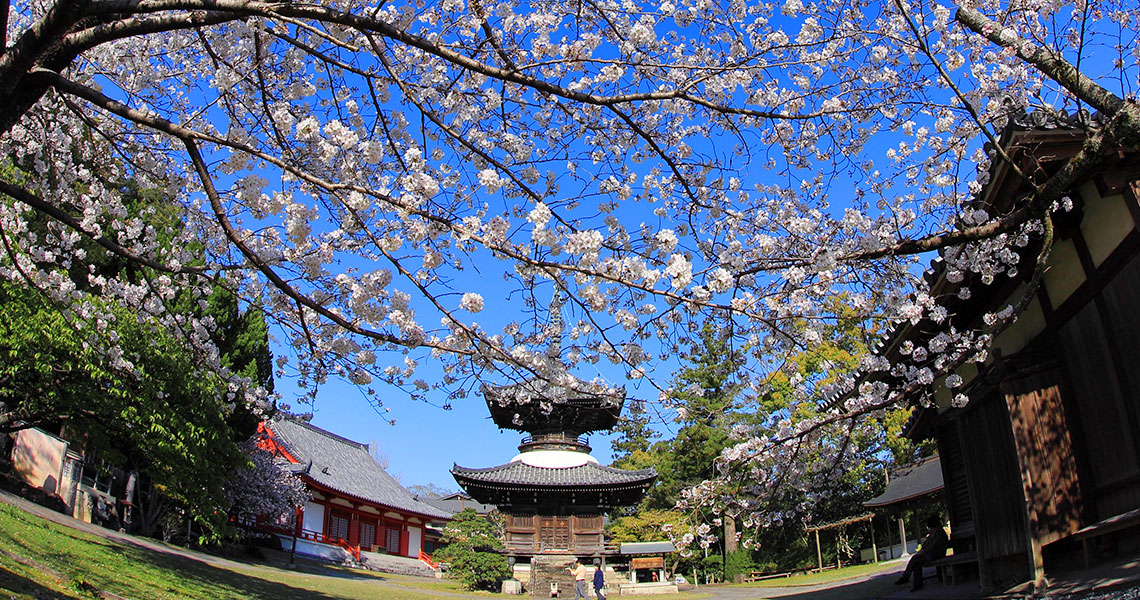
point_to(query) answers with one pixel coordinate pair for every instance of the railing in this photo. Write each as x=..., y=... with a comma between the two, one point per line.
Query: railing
x=426, y=559
x=319, y=537
x=555, y=441
x=528, y=546
x=556, y=438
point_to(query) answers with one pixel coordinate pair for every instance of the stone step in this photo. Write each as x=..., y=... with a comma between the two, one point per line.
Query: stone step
x=400, y=565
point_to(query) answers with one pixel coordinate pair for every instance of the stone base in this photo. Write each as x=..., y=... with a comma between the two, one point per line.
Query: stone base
x=551, y=574
x=512, y=586
x=648, y=589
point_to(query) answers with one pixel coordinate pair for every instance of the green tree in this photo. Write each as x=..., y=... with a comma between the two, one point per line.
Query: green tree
x=471, y=552
x=149, y=407
x=846, y=462
x=707, y=395
x=631, y=443
x=151, y=404
x=651, y=525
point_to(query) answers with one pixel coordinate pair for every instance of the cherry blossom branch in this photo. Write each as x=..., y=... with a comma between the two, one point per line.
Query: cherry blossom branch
x=274, y=10
x=188, y=138
x=949, y=82
x=178, y=131
x=223, y=220
x=48, y=209
x=1080, y=85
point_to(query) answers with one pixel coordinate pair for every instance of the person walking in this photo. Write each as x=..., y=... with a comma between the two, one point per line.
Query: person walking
x=599, y=582
x=578, y=570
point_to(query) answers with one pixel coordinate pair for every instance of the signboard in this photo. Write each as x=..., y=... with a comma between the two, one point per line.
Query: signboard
x=652, y=562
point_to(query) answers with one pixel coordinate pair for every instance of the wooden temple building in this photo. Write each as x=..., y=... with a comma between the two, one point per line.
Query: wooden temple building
x=553, y=494
x=1041, y=461
x=357, y=510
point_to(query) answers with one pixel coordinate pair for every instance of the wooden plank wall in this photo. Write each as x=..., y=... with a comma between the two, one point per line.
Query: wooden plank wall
x=994, y=478
x=1108, y=439
x=1048, y=467
x=954, y=478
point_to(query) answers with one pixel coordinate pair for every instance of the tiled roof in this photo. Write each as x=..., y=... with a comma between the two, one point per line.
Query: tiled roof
x=457, y=502
x=587, y=476
x=538, y=406
x=911, y=483
x=345, y=466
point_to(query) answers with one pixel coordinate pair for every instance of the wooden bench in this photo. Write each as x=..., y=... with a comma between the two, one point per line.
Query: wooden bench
x=755, y=576
x=1087, y=534
x=946, y=564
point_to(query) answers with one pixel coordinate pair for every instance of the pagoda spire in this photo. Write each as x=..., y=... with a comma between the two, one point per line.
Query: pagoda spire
x=555, y=325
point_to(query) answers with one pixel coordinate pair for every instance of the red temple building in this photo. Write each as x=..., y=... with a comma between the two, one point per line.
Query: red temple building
x=357, y=508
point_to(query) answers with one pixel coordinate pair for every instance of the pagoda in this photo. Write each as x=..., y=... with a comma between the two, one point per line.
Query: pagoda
x=553, y=494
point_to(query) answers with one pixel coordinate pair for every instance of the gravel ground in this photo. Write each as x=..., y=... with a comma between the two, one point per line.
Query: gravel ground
x=1125, y=593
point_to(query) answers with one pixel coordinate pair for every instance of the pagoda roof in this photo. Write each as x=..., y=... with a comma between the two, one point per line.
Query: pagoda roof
x=911, y=484
x=518, y=485
x=541, y=406
x=587, y=476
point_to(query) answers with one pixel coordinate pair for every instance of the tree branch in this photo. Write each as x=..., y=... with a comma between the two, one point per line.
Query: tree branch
x=1080, y=85
x=40, y=205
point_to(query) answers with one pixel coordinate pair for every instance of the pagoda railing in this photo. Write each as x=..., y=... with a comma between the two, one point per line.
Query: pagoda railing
x=541, y=547
x=555, y=441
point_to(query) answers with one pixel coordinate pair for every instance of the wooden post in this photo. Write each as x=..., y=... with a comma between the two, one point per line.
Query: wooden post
x=838, y=550
x=297, y=515
x=902, y=534
x=874, y=548
x=890, y=540
x=818, y=551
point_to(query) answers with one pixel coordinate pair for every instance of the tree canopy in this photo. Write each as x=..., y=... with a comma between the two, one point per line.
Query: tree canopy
x=470, y=551
x=368, y=173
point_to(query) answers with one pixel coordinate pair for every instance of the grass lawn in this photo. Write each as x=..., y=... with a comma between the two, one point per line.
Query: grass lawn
x=856, y=582
x=850, y=572
x=41, y=560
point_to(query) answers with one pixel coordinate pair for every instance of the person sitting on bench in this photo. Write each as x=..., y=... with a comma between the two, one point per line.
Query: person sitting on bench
x=933, y=547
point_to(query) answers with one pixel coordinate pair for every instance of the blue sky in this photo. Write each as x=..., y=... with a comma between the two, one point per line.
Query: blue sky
x=426, y=440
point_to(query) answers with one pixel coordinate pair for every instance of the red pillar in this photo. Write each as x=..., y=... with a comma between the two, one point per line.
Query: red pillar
x=354, y=529
x=404, y=539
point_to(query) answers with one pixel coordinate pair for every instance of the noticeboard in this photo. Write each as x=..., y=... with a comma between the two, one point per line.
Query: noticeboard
x=652, y=562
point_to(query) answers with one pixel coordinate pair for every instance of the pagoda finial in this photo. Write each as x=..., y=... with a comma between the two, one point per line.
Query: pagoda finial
x=554, y=348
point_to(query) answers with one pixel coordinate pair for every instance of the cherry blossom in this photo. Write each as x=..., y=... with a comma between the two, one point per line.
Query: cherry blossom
x=353, y=168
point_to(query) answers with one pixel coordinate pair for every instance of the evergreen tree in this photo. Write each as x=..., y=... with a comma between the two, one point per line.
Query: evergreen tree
x=471, y=551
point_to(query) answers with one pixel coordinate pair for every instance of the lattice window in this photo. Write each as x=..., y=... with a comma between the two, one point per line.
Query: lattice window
x=367, y=535
x=338, y=526
x=392, y=540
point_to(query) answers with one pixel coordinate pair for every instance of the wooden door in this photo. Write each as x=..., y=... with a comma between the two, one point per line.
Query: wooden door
x=554, y=533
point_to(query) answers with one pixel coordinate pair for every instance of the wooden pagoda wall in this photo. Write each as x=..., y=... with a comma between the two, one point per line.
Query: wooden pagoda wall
x=529, y=534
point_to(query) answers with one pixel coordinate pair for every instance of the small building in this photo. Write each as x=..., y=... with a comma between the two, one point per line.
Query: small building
x=356, y=506
x=458, y=501
x=86, y=488
x=909, y=487
x=1040, y=445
